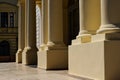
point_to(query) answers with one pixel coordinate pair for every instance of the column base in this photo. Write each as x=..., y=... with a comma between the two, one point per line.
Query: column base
x=50, y=43
x=83, y=32
x=53, y=58
x=84, y=38
x=96, y=61
x=29, y=56
x=19, y=56
x=42, y=47
x=105, y=37
x=109, y=28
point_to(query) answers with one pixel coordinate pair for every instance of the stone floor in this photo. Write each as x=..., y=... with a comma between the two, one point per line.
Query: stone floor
x=13, y=71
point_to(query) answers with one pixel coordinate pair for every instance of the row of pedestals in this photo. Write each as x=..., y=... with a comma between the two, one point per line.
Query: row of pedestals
x=93, y=54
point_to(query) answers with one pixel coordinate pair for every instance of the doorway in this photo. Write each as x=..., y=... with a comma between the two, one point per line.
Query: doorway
x=4, y=51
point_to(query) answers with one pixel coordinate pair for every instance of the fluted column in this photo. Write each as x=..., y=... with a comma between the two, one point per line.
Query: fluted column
x=55, y=22
x=82, y=31
x=30, y=51
x=21, y=31
x=106, y=25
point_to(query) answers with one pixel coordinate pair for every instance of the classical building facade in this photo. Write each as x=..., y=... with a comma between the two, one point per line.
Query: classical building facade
x=8, y=30
x=82, y=36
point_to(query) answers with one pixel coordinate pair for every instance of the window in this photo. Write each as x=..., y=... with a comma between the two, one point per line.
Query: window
x=11, y=19
x=6, y=19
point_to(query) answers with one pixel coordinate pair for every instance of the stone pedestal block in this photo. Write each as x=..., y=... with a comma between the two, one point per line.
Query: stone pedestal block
x=98, y=60
x=29, y=56
x=53, y=59
x=19, y=56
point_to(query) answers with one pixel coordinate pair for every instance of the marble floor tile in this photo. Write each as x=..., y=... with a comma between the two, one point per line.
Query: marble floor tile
x=13, y=71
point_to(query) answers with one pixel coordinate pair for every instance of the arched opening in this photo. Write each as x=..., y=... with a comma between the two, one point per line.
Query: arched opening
x=4, y=51
x=38, y=27
x=4, y=48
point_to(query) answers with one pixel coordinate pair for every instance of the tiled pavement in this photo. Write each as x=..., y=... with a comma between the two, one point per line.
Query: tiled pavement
x=13, y=71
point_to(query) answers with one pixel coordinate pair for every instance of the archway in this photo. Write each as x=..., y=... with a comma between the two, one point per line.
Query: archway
x=4, y=51
x=38, y=27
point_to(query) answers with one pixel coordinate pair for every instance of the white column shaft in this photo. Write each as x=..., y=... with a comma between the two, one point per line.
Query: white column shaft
x=104, y=12
x=49, y=22
x=42, y=22
x=106, y=25
x=82, y=29
x=82, y=14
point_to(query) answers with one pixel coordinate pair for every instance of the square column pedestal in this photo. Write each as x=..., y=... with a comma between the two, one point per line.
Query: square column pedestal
x=98, y=60
x=53, y=58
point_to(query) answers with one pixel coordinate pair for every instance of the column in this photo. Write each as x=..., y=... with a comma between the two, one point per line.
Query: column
x=30, y=51
x=50, y=42
x=106, y=26
x=55, y=22
x=82, y=31
x=83, y=36
x=55, y=55
x=42, y=23
x=21, y=32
